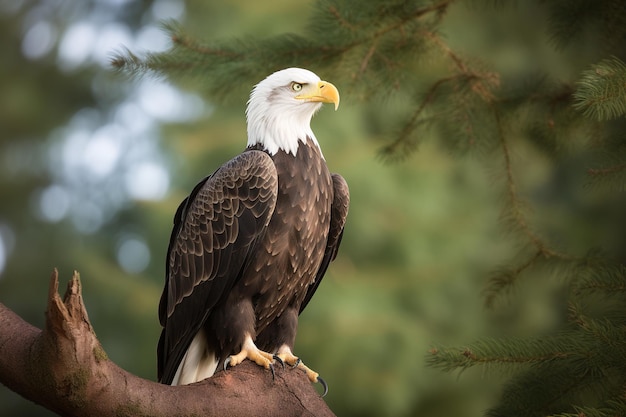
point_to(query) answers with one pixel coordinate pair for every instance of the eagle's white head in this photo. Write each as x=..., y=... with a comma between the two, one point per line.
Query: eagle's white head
x=281, y=107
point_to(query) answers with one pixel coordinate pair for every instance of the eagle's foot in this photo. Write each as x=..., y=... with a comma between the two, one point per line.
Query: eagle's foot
x=286, y=356
x=251, y=352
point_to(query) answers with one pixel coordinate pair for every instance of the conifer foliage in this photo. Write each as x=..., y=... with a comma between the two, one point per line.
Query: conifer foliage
x=399, y=51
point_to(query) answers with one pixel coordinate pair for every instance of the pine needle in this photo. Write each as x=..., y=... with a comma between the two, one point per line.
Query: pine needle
x=601, y=91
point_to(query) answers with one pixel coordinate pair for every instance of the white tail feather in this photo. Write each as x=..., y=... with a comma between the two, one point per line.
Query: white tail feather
x=197, y=364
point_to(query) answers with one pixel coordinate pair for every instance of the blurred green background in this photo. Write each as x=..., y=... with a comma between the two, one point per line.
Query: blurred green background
x=93, y=166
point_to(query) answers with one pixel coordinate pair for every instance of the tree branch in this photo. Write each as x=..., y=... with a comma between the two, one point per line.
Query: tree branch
x=64, y=369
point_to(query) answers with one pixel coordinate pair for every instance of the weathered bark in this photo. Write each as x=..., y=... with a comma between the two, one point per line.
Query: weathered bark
x=64, y=369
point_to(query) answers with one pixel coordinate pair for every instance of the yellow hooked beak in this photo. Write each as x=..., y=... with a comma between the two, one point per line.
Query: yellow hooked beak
x=323, y=92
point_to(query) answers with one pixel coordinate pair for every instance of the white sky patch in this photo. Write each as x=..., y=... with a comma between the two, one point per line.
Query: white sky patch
x=54, y=203
x=116, y=3
x=133, y=254
x=153, y=39
x=103, y=149
x=109, y=39
x=134, y=120
x=72, y=150
x=88, y=217
x=7, y=242
x=39, y=40
x=105, y=159
x=88, y=156
x=168, y=9
x=168, y=104
x=121, y=159
x=76, y=45
x=147, y=181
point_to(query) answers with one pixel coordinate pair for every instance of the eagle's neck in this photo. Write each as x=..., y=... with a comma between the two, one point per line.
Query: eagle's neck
x=279, y=126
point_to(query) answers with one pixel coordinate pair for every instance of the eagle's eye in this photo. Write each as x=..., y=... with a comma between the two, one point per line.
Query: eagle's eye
x=296, y=87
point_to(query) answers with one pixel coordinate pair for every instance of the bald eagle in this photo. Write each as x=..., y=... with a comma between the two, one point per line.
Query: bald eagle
x=253, y=240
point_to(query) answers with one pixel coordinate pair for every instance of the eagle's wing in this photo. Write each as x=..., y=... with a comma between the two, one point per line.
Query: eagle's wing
x=338, y=215
x=215, y=231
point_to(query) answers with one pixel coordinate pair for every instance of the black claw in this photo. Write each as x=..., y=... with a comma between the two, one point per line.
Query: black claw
x=226, y=362
x=272, y=369
x=321, y=381
x=279, y=360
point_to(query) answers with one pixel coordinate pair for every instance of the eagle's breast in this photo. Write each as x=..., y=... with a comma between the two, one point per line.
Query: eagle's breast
x=289, y=255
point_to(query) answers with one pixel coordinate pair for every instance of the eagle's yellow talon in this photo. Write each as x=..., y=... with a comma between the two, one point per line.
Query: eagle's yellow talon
x=285, y=356
x=313, y=376
x=251, y=352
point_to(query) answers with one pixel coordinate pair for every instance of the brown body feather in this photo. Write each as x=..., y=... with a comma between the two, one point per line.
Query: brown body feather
x=248, y=250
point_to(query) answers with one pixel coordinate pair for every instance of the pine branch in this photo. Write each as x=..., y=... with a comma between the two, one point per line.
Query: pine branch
x=601, y=92
x=611, y=409
x=538, y=392
x=337, y=35
x=502, y=352
x=611, y=177
x=602, y=172
x=460, y=107
x=513, y=209
x=387, y=17
x=572, y=367
x=607, y=172
x=227, y=69
x=568, y=16
x=571, y=20
x=505, y=278
x=404, y=143
x=582, y=365
x=606, y=278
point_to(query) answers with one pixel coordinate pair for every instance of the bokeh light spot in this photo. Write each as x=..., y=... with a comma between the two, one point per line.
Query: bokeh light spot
x=54, y=203
x=133, y=254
